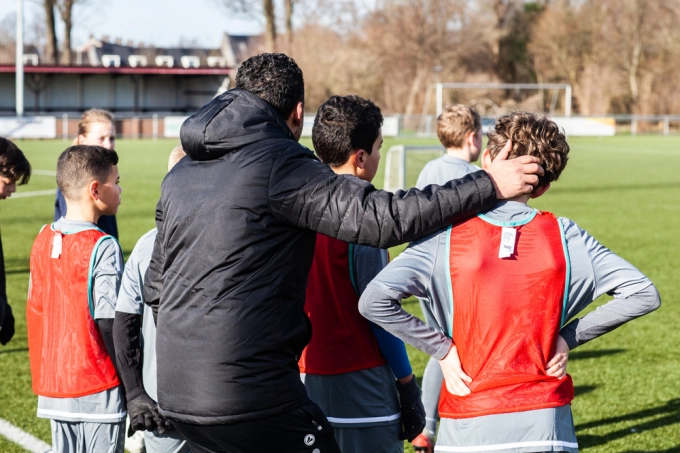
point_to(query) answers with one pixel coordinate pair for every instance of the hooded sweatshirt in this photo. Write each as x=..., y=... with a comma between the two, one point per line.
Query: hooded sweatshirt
x=237, y=222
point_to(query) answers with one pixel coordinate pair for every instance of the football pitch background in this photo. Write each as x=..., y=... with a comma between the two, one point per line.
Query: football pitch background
x=625, y=191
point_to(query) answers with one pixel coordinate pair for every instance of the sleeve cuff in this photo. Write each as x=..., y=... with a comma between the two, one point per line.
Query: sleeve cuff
x=443, y=349
x=568, y=332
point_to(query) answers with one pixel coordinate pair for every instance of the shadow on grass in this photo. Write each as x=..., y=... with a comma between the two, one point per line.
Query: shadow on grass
x=8, y=351
x=669, y=450
x=579, y=355
x=17, y=271
x=616, y=188
x=583, y=389
x=671, y=416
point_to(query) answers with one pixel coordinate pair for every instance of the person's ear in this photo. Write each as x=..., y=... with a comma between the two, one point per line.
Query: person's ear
x=94, y=190
x=470, y=138
x=298, y=115
x=359, y=158
x=80, y=139
x=540, y=191
x=486, y=159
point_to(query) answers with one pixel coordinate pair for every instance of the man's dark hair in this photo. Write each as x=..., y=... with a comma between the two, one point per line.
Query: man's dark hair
x=80, y=164
x=275, y=78
x=344, y=124
x=13, y=163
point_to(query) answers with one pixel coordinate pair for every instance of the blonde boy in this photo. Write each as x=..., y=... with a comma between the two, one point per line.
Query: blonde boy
x=75, y=275
x=459, y=129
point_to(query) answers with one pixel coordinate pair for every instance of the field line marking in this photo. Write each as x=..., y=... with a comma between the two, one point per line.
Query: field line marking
x=44, y=172
x=37, y=193
x=21, y=437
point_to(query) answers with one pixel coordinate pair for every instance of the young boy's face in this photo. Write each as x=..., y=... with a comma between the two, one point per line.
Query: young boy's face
x=109, y=193
x=7, y=187
x=371, y=161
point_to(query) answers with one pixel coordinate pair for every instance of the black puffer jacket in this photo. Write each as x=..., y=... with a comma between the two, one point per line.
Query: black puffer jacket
x=236, y=231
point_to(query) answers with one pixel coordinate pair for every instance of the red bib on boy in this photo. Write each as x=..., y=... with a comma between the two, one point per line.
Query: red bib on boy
x=67, y=353
x=507, y=315
x=342, y=340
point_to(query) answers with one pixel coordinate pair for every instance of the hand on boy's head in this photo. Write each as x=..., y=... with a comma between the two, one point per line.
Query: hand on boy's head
x=512, y=177
x=454, y=376
x=557, y=366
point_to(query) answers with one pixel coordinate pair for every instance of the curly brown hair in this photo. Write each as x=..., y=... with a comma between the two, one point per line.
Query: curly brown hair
x=531, y=135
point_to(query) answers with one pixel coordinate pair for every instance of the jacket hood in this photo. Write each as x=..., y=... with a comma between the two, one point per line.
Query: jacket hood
x=231, y=121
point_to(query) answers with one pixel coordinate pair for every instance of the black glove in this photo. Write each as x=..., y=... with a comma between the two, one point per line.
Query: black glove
x=144, y=416
x=412, y=410
x=7, y=330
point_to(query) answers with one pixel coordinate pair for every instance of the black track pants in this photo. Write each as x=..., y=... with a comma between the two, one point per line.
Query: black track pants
x=304, y=429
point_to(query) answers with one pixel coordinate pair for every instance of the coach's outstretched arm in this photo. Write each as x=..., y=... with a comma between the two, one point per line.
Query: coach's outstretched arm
x=307, y=194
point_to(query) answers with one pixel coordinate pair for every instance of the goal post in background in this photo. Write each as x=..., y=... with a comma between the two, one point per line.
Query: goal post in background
x=403, y=164
x=439, y=90
x=490, y=101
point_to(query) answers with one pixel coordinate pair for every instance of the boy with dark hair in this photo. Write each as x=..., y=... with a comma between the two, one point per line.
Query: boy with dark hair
x=75, y=275
x=459, y=129
x=344, y=365
x=14, y=168
x=502, y=286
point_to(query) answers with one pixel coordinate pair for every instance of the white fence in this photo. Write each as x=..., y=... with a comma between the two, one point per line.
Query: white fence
x=168, y=126
x=29, y=127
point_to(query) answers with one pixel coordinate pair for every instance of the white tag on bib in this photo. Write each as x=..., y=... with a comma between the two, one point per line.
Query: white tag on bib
x=56, y=246
x=508, y=237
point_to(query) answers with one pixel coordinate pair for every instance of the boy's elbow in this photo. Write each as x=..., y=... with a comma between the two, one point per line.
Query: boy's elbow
x=364, y=306
x=655, y=299
x=367, y=303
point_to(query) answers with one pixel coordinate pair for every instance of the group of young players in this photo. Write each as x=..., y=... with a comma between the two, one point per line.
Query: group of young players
x=497, y=290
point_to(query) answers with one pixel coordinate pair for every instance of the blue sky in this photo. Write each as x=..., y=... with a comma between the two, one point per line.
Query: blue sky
x=158, y=22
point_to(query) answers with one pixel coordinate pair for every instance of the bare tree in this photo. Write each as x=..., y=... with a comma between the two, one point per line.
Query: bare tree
x=255, y=8
x=565, y=44
x=270, y=28
x=51, y=46
x=290, y=4
x=635, y=36
x=66, y=11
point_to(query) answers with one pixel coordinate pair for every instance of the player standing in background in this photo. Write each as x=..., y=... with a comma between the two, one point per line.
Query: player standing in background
x=95, y=128
x=14, y=168
x=459, y=129
x=134, y=335
x=75, y=276
x=346, y=360
x=505, y=283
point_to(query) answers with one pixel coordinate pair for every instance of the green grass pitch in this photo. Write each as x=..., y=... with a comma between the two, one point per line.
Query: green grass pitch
x=623, y=190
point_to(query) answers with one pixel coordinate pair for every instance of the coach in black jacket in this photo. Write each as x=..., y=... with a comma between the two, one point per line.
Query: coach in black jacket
x=236, y=221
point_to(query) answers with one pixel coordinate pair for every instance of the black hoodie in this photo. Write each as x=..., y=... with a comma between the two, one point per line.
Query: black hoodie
x=237, y=222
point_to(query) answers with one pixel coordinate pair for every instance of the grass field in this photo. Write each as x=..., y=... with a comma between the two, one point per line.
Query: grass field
x=624, y=190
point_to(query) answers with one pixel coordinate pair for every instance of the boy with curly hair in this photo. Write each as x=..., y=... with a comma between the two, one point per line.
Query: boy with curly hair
x=502, y=286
